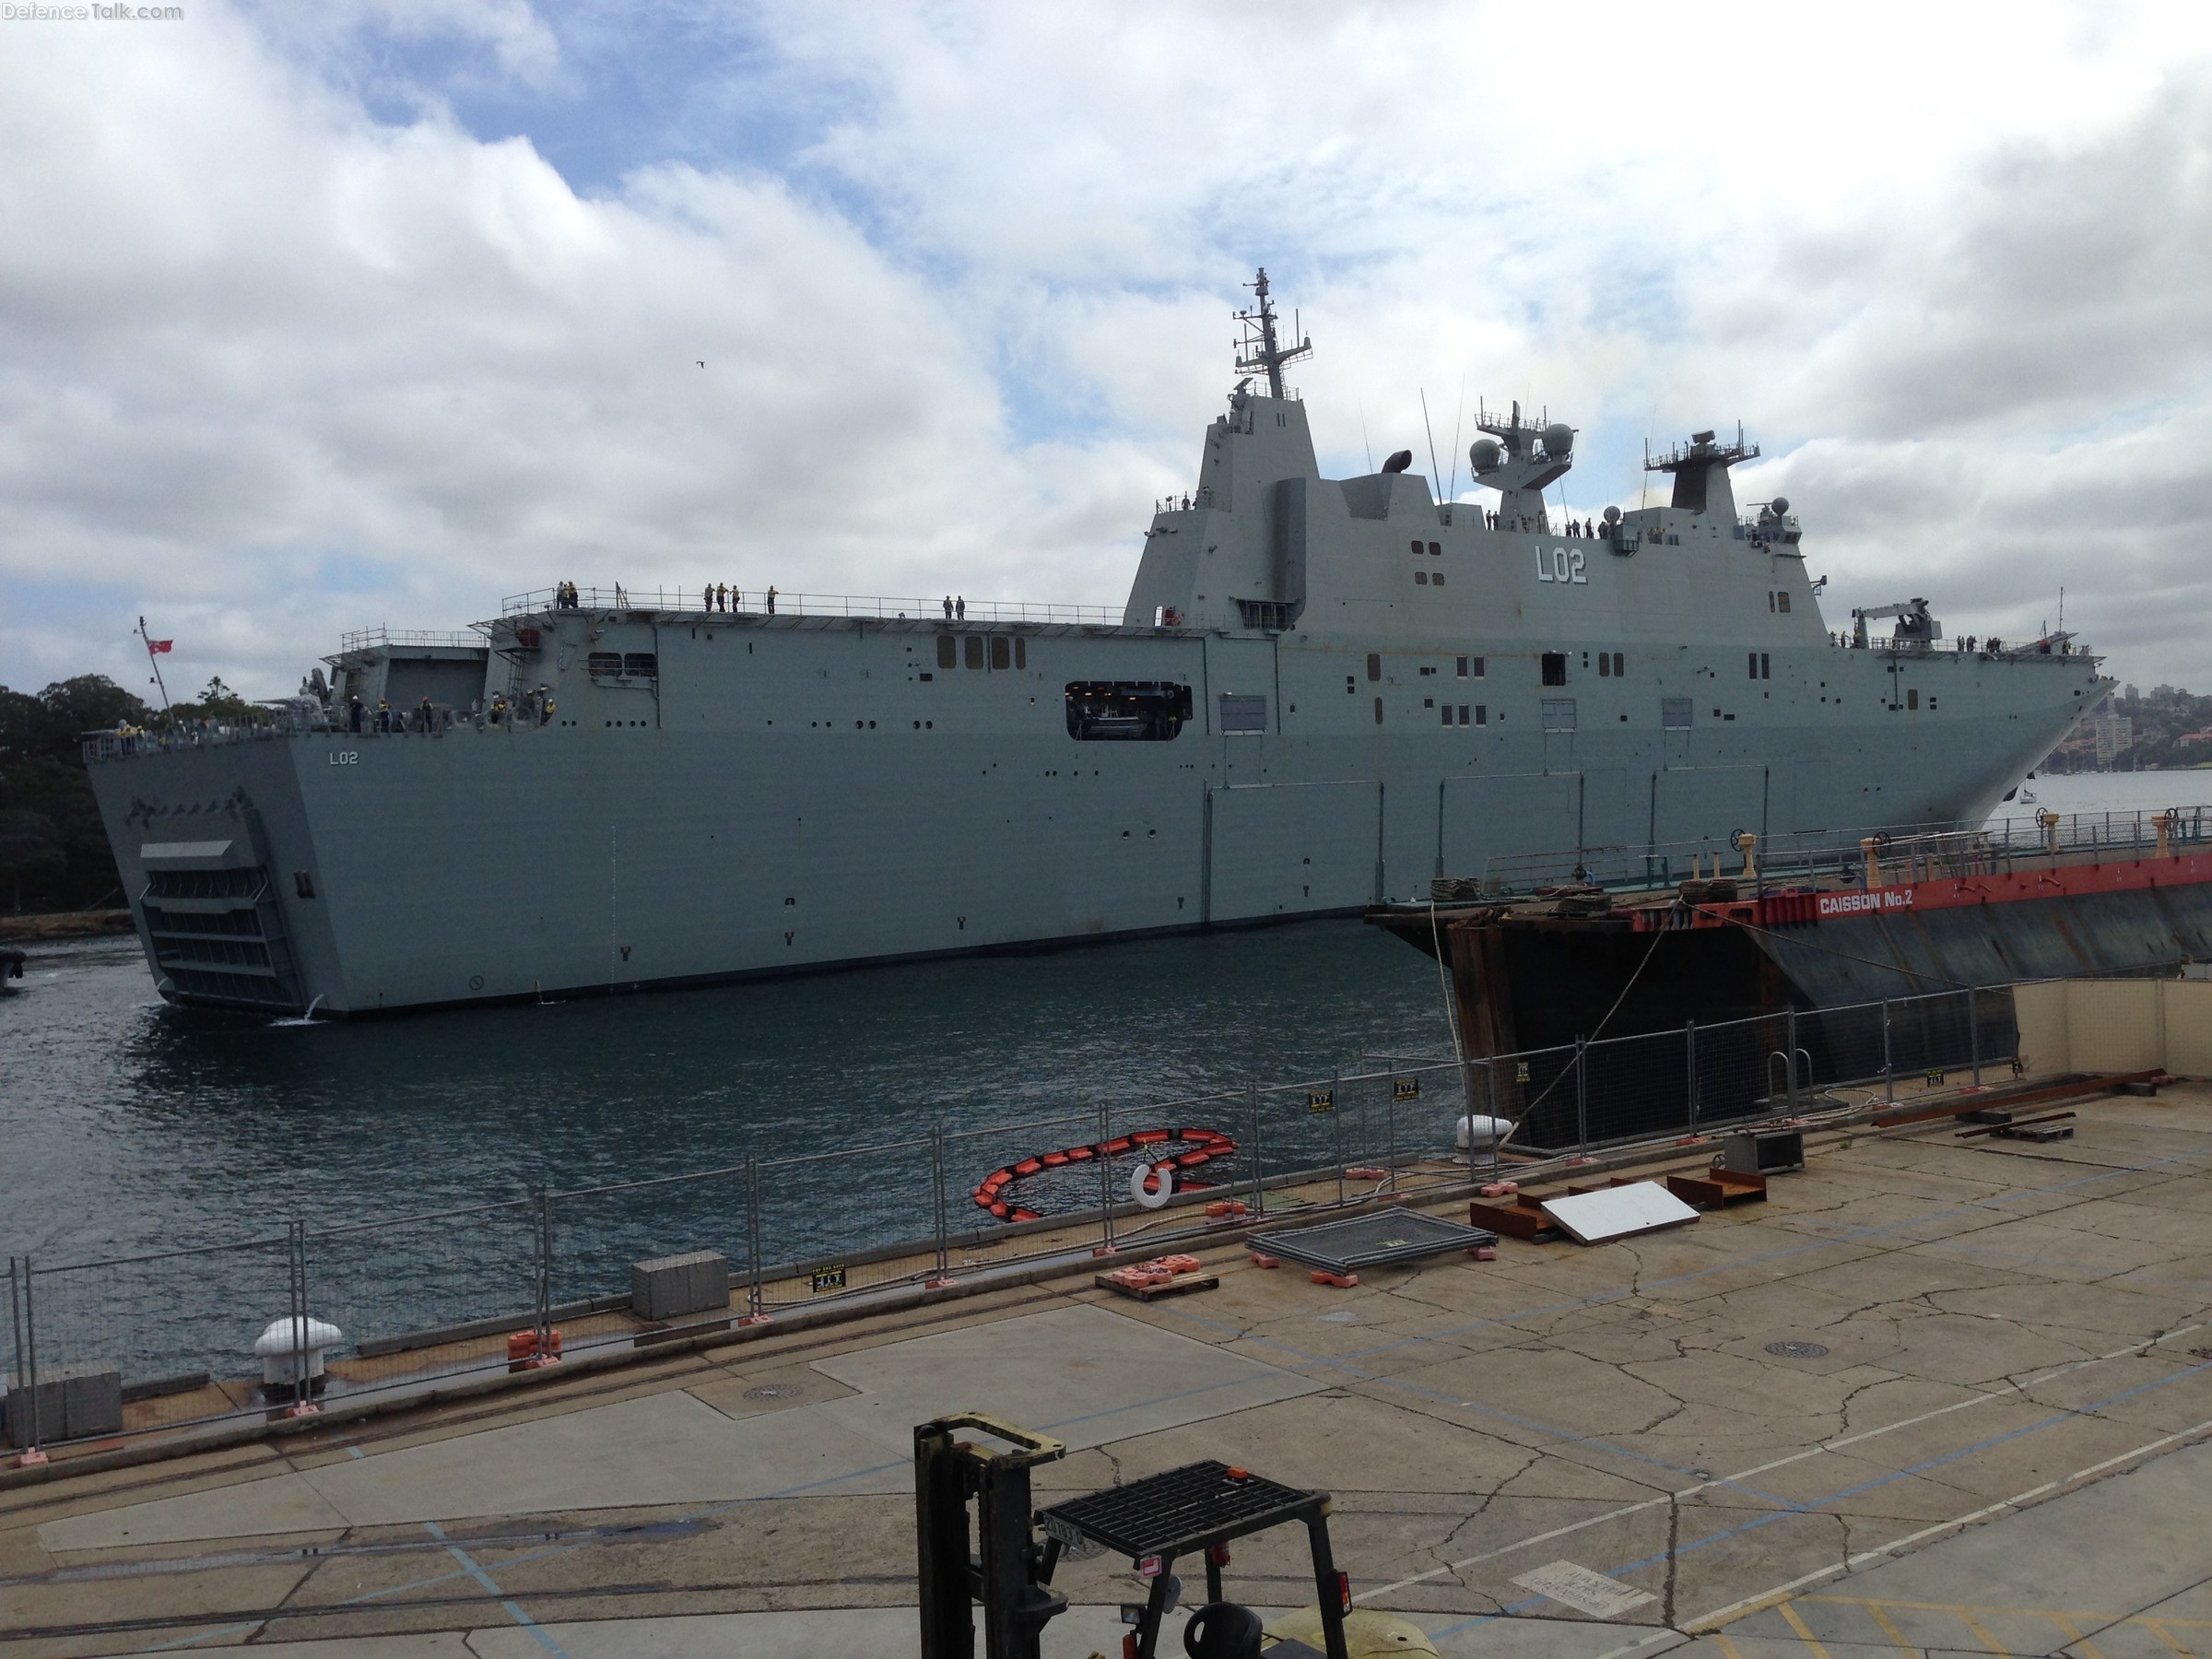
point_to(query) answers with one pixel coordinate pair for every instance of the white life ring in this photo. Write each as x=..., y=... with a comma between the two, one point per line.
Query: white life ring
x=1146, y=1195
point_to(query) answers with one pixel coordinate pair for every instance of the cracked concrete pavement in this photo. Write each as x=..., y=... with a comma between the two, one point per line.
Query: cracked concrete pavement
x=2010, y=1333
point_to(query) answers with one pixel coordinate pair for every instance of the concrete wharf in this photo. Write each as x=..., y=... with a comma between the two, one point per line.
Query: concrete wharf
x=1933, y=1395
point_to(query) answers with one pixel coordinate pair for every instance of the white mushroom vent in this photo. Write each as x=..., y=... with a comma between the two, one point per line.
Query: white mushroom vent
x=1479, y=1132
x=290, y=1341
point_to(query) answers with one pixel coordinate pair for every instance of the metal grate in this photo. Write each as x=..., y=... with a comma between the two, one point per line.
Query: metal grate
x=1175, y=1512
x=1373, y=1240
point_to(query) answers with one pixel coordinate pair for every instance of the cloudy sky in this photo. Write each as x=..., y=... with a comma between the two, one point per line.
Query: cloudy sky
x=316, y=318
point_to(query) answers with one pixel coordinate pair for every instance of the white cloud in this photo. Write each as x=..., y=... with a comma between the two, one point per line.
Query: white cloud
x=270, y=366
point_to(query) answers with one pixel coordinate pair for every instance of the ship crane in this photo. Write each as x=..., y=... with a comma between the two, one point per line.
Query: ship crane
x=1913, y=622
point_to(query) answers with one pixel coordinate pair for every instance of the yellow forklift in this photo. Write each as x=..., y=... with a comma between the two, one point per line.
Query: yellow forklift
x=996, y=1558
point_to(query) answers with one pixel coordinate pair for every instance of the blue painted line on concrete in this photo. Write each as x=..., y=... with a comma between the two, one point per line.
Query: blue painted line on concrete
x=512, y=1608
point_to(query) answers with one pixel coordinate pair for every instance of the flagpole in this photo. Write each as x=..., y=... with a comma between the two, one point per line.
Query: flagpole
x=154, y=661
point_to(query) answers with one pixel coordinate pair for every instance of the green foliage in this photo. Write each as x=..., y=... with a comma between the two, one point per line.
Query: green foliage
x=53, y=850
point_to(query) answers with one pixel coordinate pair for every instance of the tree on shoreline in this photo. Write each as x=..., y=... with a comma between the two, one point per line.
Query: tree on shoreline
x=53, y=850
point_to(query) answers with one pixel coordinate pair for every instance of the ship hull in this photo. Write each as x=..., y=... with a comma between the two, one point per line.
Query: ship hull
x=809, y=799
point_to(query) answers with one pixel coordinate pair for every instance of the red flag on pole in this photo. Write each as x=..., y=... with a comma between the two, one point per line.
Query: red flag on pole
x=156, y=647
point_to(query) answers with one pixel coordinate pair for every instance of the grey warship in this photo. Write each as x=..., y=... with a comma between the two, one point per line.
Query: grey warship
x=1321, y=693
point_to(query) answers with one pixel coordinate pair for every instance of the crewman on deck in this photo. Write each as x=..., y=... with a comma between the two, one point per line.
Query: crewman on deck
x=771, y=600
x=426, y=716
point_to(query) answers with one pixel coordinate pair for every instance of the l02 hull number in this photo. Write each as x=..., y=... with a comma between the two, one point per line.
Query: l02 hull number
x=1561, y=564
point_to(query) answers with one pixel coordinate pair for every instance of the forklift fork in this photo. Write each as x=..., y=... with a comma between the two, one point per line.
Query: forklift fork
x=1010, y=1573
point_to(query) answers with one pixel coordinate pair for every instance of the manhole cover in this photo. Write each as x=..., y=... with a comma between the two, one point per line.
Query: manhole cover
x=775, y=1391
x=1797, y=1351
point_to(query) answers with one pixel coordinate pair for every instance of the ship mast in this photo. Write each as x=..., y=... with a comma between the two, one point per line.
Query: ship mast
x=1258, y=351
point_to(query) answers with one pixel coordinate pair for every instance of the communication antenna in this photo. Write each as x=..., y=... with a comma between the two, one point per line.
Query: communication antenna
x=1643, y=493
x=1436, y=476
x=1459, y=415
x=1259, y=351
x=1365, y=442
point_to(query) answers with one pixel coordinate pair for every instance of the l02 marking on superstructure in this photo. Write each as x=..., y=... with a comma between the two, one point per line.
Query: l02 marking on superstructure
x=345, y=757
x=1875, y=899
x=1561, y=564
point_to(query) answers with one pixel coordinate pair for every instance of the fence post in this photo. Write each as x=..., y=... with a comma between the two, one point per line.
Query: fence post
x=752, y=1234
x=1582, y=1098
x=1259, y=1195
x=1789, y=1061
x=937, y=1180
x=1689, y=1062
x=1336, y=1128
x=24, y=1326
x=1390, y=1129
x=1888, y=1077
x=1973, y=1030
x=303, y=1391
x=544, y=1272
x=1105, y=1178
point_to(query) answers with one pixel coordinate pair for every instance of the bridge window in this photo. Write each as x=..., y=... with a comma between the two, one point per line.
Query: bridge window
x=975, y=651
x=1436, y=550
x=1605, y=665
x=1002, y=652
x=604, y=662
x=642, y=665
x=1374, y=667
x=1129, y=710
x=948, y=652
x=1911, y=699
x=1555, y=667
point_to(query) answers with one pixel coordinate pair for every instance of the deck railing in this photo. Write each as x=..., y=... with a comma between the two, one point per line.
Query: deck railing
x=1906, y=851
x=755, y=603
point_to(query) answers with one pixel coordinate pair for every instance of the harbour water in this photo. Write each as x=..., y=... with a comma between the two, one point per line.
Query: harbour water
x=131, y=1128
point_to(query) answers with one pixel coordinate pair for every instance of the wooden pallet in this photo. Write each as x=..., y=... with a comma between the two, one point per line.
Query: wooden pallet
x=1177, y=1286
x=1716, y=1189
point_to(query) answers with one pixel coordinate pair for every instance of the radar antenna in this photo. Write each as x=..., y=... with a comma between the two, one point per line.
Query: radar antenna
x=1258, y=351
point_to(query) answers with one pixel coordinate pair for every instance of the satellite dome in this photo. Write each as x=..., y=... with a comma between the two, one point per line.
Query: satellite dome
x=1399, y=462
x=1559, y=438
x=1484, y=455
x=1612, y=515
x=1781, y=505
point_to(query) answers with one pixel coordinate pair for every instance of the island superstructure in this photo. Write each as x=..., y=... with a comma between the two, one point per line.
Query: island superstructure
x=1321, y=693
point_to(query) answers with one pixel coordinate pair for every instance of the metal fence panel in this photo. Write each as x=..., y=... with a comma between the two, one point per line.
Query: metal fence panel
x=843, y=1223
x=414, y=1296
